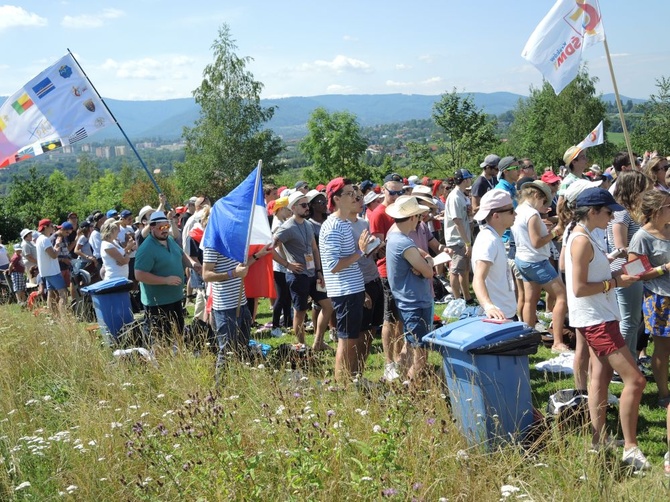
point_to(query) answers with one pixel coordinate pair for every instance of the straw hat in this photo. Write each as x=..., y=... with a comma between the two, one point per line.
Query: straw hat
x=404, y=207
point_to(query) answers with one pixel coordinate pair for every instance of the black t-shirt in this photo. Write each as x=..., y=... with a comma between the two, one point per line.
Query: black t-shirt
x=481, y=186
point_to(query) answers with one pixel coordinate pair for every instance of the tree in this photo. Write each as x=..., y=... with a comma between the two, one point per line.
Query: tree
x=334, y=145
x=227, y=140
x=468, y=131
x=652, y=130
x=546, y=125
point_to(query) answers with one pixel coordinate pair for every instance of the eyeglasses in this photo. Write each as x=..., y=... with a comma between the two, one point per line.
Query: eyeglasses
x=349, y=194
x=395, y=192
x=303, y=204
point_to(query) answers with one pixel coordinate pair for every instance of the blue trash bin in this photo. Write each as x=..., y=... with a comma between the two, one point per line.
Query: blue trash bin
x=487, y=373
x=111, y=301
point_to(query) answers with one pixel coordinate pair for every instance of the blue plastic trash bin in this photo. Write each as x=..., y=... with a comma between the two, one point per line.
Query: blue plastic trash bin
x=111, y=301
x=486, y=368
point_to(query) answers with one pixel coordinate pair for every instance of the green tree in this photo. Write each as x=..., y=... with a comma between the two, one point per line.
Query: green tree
x=651, y=132
x=228, y=138
x=105, y=193
x=334, y=144
x=469, y=132
x=28, y=197
x=546, y=125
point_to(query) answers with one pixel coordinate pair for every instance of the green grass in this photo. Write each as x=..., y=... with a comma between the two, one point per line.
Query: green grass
x=79, y=424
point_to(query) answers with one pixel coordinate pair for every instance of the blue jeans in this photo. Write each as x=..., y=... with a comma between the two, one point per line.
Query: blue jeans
x=630, y=306
x=232, y=334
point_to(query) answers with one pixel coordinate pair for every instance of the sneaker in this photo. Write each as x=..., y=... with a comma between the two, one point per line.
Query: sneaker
x=391, y=372
x=267, y=325
x=635, y=459
x=541, y=327
x=276, y=333
x=309, y=326
x=616, y=378
x=666, y=463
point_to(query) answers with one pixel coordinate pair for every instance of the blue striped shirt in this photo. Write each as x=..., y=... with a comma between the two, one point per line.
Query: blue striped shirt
x=225, y=294
x=336, y=241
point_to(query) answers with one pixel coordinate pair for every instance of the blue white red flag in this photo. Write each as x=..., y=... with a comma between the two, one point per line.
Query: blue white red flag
x=58, y=107
x=557, y=45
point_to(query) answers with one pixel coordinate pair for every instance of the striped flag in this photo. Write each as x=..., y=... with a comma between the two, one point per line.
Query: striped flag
x=557, y=45
x=57, y=107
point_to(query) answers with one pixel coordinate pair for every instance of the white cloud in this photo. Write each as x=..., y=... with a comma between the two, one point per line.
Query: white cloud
x=339, y=89
x=432, y=80
x=426, y=58
x=340, y=64
x=86, y=21
x=12, y=16
x=171, y=67
x=402, y=66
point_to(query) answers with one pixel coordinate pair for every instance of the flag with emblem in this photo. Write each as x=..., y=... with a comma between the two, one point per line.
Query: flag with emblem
x=595, y=137
x=57, y=107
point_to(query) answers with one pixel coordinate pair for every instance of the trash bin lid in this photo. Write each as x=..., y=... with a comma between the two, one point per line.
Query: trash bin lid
x=119, y=284
x=471, y=333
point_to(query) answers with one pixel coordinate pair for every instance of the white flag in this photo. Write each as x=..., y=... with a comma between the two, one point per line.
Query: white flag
x=56, y=108
x=556, y=46
x=594, y=138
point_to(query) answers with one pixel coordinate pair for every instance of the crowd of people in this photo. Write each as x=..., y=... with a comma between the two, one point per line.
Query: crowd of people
x=361, y=258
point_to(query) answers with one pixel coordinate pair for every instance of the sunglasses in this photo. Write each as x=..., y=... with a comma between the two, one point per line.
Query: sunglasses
x=395, y=192
x=303, y=205
x=163, y=227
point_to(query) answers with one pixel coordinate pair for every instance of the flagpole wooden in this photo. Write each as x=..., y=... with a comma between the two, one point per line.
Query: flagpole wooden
x=132, y=147
x=251, y=222
x=618, y=104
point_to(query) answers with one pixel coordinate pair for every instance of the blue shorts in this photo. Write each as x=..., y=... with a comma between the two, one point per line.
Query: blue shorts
x=54, y=282
x=541, y=272
x=348, y=314
x=418, y=323
x=303, y=287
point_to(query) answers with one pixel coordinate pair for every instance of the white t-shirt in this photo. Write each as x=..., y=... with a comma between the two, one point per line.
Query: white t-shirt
x=524, y=249
x=47, y=265
x=4, y=259
x=456, y=207
x=499, y=282
x=112, y=269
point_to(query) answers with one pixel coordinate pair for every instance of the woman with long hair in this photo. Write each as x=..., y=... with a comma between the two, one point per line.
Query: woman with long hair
x=656, y=169
x=593, y=309
x=115, y=257
x=532, y=240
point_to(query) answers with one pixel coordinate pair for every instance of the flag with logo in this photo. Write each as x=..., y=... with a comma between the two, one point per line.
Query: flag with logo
x=56, y=108
x=557, y=45
x=595, y=137
x=238, y=227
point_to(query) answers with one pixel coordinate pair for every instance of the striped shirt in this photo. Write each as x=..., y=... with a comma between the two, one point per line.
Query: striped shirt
x=336, y=241
x=225, y=294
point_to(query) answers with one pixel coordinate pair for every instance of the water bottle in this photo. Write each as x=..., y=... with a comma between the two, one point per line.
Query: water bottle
x=453, y=311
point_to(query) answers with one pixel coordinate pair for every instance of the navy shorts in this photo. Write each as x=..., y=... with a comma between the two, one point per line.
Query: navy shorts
x=374, y=316
x=390, y=308
x=348, y=314
x=418, y=323
x=303, y=287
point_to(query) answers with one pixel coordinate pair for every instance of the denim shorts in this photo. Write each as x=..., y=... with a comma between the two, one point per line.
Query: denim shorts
x=54, y=282
x=418, y=323
x=348, y=314
x=541, y=272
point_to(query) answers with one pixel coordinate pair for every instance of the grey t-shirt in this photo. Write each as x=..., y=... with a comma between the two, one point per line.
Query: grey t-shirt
x=658, y=252
x=297, y=240
x=367, y=265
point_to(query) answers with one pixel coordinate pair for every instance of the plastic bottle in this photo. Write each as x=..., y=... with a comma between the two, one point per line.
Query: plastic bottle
x=454, y=310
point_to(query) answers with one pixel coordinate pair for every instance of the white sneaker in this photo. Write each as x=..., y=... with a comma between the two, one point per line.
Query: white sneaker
x=391, y=372
x=541, y=327
x=276, y=333
x=636, y=459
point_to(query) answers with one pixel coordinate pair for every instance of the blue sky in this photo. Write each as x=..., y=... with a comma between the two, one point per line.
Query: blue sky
x=157, y=49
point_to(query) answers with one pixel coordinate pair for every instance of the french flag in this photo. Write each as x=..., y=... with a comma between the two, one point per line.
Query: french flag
x=238, y=227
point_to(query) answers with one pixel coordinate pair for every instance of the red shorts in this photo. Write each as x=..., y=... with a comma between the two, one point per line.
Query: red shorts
x=604, y=338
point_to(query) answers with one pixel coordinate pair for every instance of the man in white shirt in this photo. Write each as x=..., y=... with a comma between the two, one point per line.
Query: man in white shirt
x=47, y=264
x=457, y=235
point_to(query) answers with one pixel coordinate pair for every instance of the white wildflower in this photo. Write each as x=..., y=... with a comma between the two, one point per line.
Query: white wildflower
x=71, y=488
x=376, y=429
x=23, y=485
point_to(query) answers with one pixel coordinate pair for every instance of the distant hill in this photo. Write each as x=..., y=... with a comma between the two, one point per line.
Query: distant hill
x=166, y=119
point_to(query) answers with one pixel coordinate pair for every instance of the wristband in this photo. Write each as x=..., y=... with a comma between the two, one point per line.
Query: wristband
x=660, y=270
x=230, y=274
x=606, y=286
x=254, y=257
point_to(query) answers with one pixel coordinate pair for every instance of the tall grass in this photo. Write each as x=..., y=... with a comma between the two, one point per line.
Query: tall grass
x=76, y=422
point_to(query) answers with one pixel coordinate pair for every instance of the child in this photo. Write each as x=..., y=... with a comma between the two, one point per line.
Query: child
x=17, y=271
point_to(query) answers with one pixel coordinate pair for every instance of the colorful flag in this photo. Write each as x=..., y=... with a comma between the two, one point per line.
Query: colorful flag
x=595, y=137
x=234, y=222
x=557, y=45
x=56, y=105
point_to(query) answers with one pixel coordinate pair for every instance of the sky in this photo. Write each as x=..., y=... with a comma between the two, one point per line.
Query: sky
x=158, y=49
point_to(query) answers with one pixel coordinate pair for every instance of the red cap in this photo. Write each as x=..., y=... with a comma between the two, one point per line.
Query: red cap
x=180, y=209
x=425, y=180
x=43, y=223
x=280, y=190
x=377, y=189
x=321, y=187
x=550, y=177
x=436, y=185
x=333, y=186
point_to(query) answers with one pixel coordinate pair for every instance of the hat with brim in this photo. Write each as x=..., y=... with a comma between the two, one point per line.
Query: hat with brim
x=492, y=200
x=158, y=217
x=597, y=197
x=550, y=177
x=404, y=207
x=25, y=232
x=295, y=197
x=144, y=212
x=422, y=190
x=570, y=154
x=425, y=201
x=371, y=196
x=311, y=194
x=546, y=189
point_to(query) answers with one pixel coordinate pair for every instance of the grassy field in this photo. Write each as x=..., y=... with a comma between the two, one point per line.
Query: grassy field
x=77, y=423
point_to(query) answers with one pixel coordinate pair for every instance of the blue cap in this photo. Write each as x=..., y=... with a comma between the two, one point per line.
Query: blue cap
x=112, y=213
x=597, y=197
x=462, y=174
x=66, y=225
x=125, y=213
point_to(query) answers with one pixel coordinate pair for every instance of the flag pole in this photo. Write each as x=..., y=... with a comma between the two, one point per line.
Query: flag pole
x=251, y=222
x=151, y=178
x=618, y=105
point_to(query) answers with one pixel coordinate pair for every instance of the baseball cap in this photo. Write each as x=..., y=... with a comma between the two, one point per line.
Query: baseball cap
x=332, y=187
x=72, y=215
x=321, y=187
x=413, y=180
x=550, y=177
x=66, y=225
x=158, y=216
x=462, y=174
x=490, y=160
x=506, y=162
x=597, y=196
x=366, y=185
x=491, y=200
x=523, y=181
x=404, y=207
x=43, y=223
x=570, y=154
x=180, y=209
x=301, y=184
x=393, y=177
x=125, y=213
x=85, y=224
x=112, y=213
